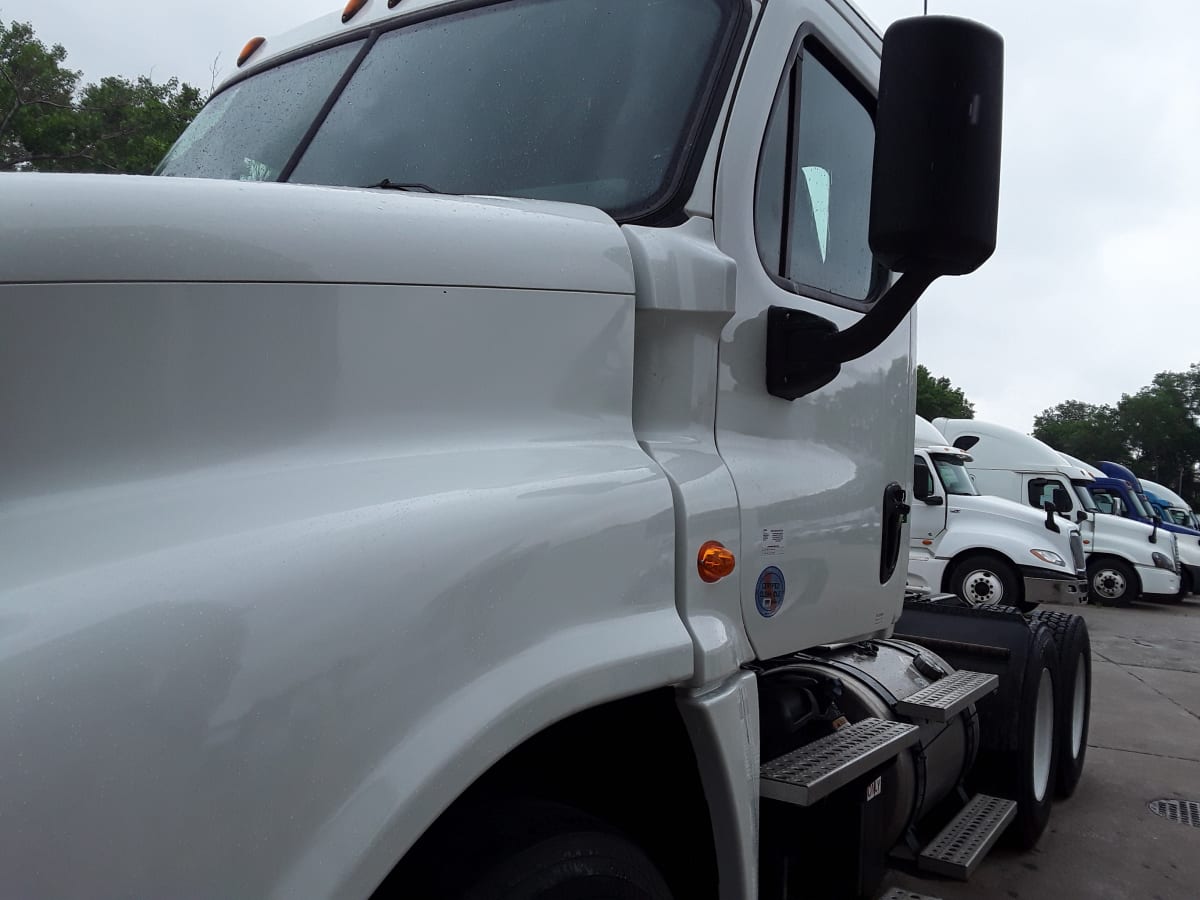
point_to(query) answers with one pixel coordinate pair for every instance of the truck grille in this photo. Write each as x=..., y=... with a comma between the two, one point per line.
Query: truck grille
x=1077, y=552
x=1175, y=551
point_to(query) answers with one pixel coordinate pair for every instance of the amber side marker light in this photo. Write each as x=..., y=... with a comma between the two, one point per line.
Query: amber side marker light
x=714, y=562
x=352, y=9
x=248, y=51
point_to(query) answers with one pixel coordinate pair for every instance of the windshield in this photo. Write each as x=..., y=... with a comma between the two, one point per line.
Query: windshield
x=1084, y=495
x=954, y=476
x=587, y=101
x=1138, y=506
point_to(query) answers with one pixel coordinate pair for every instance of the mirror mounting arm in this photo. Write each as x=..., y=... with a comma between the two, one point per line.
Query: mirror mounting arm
x=805, y=351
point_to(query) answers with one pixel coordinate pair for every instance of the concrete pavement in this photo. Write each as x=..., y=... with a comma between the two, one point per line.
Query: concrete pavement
x=1144, y=744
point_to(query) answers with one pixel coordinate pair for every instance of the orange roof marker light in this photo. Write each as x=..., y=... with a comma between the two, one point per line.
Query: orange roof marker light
x=248, y=51
x=714, y=562
x=352, y=10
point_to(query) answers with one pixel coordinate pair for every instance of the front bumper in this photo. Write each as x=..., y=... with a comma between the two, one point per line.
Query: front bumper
x=1042, y=587
x=1158, y=582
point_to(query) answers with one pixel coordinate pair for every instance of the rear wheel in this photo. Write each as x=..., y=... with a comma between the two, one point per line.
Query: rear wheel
x=1026, y=772
x=1074, y=694
x=1112, y=582
x=982, y=579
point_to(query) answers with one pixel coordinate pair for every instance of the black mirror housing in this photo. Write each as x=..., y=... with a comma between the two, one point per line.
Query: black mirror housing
x=936, y=189
x=1081, y=515
x=934, y=500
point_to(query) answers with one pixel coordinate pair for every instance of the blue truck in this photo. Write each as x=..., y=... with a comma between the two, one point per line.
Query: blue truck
x=1120, y=483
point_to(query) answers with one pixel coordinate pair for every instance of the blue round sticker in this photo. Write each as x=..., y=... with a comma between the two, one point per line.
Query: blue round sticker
x=768, y=593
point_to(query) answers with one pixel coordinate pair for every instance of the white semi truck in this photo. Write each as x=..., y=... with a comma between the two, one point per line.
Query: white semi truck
x=479, y=466
x=985, y=549
x=1125, y=559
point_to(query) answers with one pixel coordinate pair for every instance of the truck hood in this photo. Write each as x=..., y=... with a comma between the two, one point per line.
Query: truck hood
x=1008, y=509
x=1119, y=525
x=115, y=228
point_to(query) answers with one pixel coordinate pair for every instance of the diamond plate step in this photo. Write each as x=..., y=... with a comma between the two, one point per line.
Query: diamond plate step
x=899, y=893
x=962, y=845
x=947, y=697
x=816, y=770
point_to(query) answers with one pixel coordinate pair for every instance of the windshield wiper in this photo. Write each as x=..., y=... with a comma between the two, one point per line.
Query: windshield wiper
x=405, y=186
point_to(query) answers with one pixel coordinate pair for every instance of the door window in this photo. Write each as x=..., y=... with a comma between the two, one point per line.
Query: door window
x=923, y=484
x=813, y=197
x=1049, y=490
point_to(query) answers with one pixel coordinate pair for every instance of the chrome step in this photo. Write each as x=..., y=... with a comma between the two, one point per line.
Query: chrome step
x=816, y=770
x=962, y=845
x=947, y=697
x=899, y=893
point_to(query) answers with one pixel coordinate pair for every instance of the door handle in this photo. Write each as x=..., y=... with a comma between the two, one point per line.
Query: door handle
x=895, y=514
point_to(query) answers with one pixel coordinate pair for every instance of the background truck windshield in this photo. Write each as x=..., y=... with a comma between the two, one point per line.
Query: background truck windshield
x=1084, y=495
x=954, y=475
x=587, y=101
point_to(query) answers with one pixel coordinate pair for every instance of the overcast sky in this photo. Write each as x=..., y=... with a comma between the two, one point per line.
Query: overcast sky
x=1089, y=293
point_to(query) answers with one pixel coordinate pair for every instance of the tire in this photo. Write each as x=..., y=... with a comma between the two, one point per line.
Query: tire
x=1185, y=586
x=1026, y=773
x=1074, y=646
x=985, y=579
x=1112, y=582
x=543, y=851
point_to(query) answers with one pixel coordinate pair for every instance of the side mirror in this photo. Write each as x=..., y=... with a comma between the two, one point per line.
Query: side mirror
x=935, y=190
x=1081, y=515
x=1051, y=525
x=934, y=500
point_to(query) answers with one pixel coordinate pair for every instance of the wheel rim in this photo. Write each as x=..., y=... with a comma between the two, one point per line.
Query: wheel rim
x=1109, y=583
x=1078, y=706
x=983, y=586
x=1043, y=736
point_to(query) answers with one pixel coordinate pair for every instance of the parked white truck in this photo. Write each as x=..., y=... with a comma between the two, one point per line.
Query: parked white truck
x=985, y=549
x=1125, y=559
x=540, y=541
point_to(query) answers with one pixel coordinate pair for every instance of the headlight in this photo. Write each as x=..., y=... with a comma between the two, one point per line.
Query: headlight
x=1162, y=562
x=1048, y=556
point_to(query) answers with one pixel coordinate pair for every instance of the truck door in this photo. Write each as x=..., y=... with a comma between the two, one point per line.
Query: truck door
x=928, y=504
x=821, y=480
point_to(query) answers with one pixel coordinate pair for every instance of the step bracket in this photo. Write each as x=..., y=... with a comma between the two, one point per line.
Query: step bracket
x=816, y=770
x=962, y=845
x=947, y=697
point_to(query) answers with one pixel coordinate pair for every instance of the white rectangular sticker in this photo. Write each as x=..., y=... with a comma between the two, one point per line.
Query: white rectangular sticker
x=773, y=542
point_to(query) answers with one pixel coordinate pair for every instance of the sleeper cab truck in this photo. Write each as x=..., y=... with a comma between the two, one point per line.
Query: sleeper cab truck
x=1121, y=481
x=1117, y=497
x=985, y=549
x=1125, y=559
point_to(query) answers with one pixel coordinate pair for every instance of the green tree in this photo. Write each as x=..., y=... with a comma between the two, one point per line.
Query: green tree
x=48, y=123
x=938, y=397
x=1088, y=431
x=1162, y=434
x=36, y=98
